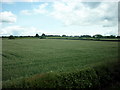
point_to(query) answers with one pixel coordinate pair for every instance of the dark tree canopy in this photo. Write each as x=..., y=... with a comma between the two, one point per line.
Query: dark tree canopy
x=43, y=36
x=98, y=36
x=37, y=35
x=63, y=35
x=85, y=36
x=11, y=37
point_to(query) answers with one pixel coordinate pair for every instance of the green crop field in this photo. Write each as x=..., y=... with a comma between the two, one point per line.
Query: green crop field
x=28, y=57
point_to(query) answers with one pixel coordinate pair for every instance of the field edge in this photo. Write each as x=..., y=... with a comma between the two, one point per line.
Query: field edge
x=97, y=76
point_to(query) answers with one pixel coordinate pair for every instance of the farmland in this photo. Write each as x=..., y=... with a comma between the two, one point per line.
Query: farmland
x=23, y=58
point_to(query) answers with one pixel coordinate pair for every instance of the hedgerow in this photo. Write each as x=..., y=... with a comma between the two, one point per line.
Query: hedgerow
x=96, y=76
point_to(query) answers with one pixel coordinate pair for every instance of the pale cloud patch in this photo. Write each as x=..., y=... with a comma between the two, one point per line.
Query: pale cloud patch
x=30, y=31
x=20, y=0
x=7, y=0
x=77, y=13
x=30, y=0
x=25, y=12
x=80, y=13
x=113, y=31
x=41, y=9
x=18, y=30
x=56, y=0
x=7, y=17
x=10, y=30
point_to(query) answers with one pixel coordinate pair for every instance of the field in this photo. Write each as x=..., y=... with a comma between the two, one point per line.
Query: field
x=22, y=58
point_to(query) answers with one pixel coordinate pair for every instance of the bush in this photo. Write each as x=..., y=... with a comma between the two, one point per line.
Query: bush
x=86, y=78
x=96, y=39
x=108, y=73
x=42, y=37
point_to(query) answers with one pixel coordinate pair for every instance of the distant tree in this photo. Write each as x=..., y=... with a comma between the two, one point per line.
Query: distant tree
x=63, y=35
x=76, y=36
x=37, y=35
x=87, y=36
x=4, y=36
x=52, y=35
x=11, y=37
x=98, y=36
x=112, y=36
x=118, y=36
x=43, y=36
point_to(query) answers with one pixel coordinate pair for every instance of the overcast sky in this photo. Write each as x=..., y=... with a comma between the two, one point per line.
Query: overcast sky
x=58, y=18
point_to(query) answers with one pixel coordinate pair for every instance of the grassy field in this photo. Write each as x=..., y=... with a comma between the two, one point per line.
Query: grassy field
x=28, y=57
x=88, y=38
x=64, y=59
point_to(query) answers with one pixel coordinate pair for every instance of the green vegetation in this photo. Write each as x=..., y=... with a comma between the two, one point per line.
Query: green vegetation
x=43, y=36
x=11, y=37
x=99, y=76
x=37, y=35
x=59, y=63
x=97, y=37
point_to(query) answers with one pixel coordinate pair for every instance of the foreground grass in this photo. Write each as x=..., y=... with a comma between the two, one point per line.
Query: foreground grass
x=100, y=76
x=24, y=58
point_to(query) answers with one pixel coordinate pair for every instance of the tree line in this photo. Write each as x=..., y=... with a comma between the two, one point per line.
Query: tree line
x=43, y=36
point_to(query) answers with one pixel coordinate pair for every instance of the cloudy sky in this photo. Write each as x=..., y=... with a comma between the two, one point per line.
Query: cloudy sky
x=58, y=18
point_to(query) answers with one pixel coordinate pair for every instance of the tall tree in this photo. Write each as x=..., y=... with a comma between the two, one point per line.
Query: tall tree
x=37, y=35
x=43, y=36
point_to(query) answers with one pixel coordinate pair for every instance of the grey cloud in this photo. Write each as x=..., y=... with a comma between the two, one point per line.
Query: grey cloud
x=111, y=21
x=108, y=18
x=6, y=21
x=119, y=11
x=107, y=25
x=92, y=4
